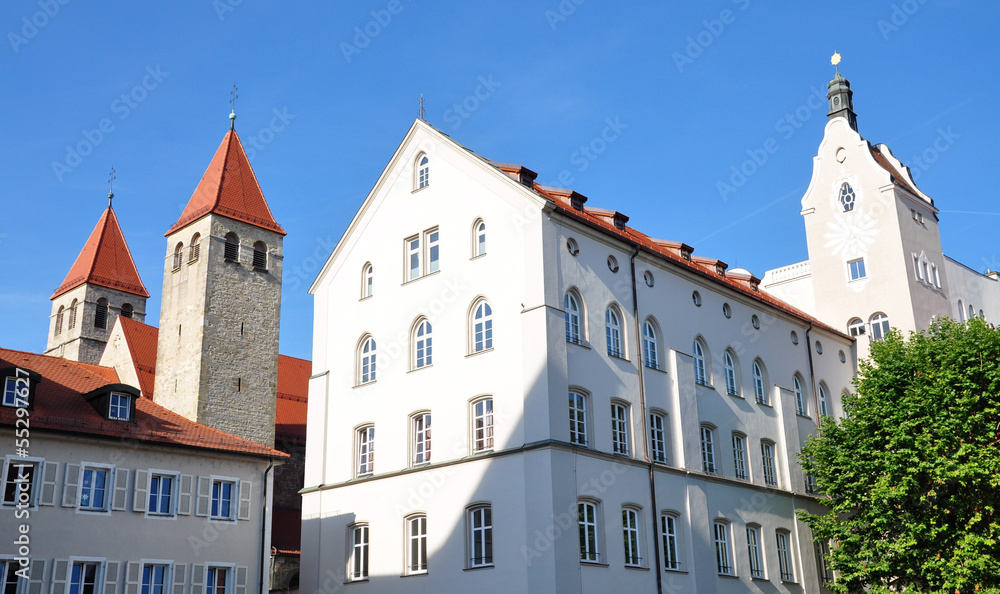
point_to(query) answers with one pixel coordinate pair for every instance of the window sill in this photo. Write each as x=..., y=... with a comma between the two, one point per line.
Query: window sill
x=479, y=352
x=655, y=368
x=740, y=396
x=619, y=357
x=414, y=191
x=585, y=563
x=705, y=385
x=759, y=579
x=730, y=576
x=478, y=256
x=365, y=384
x=767, y=404
x=357, y=581
x=190, y=262
x=420, y=368
x=675, y=570
x=175, y=269
x=803, y=415
x=263, y=270
x=478, y=567
x=414, y=574
x=222, y=520
x=365, y=298
x=636, y=567
x=580, y=343
x=422, y=276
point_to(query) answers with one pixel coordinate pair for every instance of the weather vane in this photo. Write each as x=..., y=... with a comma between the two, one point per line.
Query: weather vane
x=232, y=116
x=835, y=60
x=111, y=184
x=421, y=113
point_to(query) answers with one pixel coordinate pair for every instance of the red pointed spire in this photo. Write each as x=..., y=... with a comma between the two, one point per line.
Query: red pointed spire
x=229, y=188
x=105, y=260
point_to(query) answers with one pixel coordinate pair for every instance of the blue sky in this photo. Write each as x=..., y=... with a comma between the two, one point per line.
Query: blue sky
x=691, y=90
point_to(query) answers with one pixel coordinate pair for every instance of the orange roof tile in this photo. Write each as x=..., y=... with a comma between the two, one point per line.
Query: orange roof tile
x=141, y=339
x=59, y=406
x=293, y=392
x=229, y=188
x=105, y=260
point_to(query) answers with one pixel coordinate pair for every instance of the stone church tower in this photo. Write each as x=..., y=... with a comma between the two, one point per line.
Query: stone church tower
x=217, y=351
x=102, y=284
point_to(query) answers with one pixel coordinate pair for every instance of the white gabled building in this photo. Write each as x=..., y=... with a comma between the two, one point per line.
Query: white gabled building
x=609, y=412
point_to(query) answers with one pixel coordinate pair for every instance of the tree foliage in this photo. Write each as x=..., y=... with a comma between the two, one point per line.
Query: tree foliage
x=912, y=475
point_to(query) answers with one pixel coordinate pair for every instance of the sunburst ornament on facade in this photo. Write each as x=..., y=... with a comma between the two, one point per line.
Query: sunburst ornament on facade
x=849, y=235
x=835, y=60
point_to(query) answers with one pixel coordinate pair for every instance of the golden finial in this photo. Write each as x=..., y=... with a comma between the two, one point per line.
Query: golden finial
x=835, y=60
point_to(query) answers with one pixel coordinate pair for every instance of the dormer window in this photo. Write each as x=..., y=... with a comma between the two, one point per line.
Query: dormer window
x=847, y=197
x=19, y=387
x=120, y=407
x=577, y=201
x=686, y=253
x=619, y=221
x=114, y=402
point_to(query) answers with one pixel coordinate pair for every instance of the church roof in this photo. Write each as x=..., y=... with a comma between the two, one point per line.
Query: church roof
x=59, y=406
x=105, y=260
x=229, y=188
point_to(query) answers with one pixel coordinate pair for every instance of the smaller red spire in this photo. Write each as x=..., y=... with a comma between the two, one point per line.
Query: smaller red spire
x=105, y=260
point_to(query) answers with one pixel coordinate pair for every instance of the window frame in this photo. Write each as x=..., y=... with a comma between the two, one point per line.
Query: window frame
x=856, y=270
x=72, y=314
x=420, y=442
x=366, y=359
x=658, y=436
x=614, y=332
x=769, y=462
x=702, y=363
x=194, y=249
x=579, y=405
x=478, y=238
x=481, y=535
x=416, y=544
x=575, y=319
x=178, y=257
x=740, y=463
x=755, y=553
x=108, y=489
x=9, y=567
x=731, y=373
x=367, y=280
x=364, y=450
x=234, y=499
x=358, y=552
x=172, y=496
x=414, y=258
x=432, y=245
x=676, y=561
x=38, y=466
x=632, y=535
x=589, y=530
x=60, y=314
x=487, y=441
x=801, y=398
x=421, y=337
x=722, y=539
x=422, y=172
x=651, y=344
x=845, y=191
x=708, y=462
x=168, y=575
x=231, y=247
x=481, y=340
x=783, y=550
x=760, y=391
x=880, y=325
x=122, y=397
x=99, y=574
x=260, y=256
x=824, y=399
x=101, y=312
x=856, y=327
x=621, y=424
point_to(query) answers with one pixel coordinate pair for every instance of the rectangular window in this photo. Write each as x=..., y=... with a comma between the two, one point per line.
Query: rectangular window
x=422, y=438
x=481, y=536
x=857, y=268
x=154, y=579
x=19, y=484
x=577, y=419
x=784, y=558
x=822, y=562
x=740, y=456
x=588, y=532
x=810, y=483
x=630, y=531
x=413, y=257
x=359, y=553
x=93, y=488
x=8, y=576
x=118, y=409
x=619, y=429
x=85, y=577
x=161, y=491
x=222, y=499
x=366, y=451
x=482, y=425
x=671, y=548
x=658, y=437
x=433, y=251
x=417, y=551
x=15, y=392
x=707, y=450
x=927, y=274
x=721, y=532
x=218, y=580
x=767, y=457
x=753, y=549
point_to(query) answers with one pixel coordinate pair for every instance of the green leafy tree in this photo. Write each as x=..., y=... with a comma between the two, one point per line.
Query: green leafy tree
x=912, y=475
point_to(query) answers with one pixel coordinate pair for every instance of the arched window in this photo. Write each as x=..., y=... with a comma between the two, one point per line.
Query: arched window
x=856, y=327
x=754, y=551
x=366, y=360
x=423, y=171
x=482, y=425
x=700, y=362
x=572, y=309
x=759, y=384
x=961, y=311
x=613, y=332
x=421, y=425
x=740, y=455
x=708, y=449
x=783, y=540
x=800, y=397
x=650, y=354
x=768, y=462
x=631, y=532
x=670, y=529
x=972, y=311
x=480, y=520
x=232, y=253
x=59, y=321
x=126, y=311
x=416, y=550
x=590, y=547
x=482, y=327
x=880, y=326
x=847, y=197
x=260, y=255
x=101, y=314
x=729, y=363
x=658, y=436
x=195, y=248
x=422, y=340
x=824, y=400
x=479, y=238
x=365, y=450
x=723, y=552
x=178, y=255
x=620, y=419
x=72, y=315
x=367, y=281
x=577, y=418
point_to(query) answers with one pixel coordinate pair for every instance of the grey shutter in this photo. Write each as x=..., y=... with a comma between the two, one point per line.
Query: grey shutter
x=180, y=578
x=246, y=491
x=241, y=580
x=133, y=575
x=197, y=578
x=71, y=485
x=60, y=575
x=119, y=501
x=37, y=580
x=50, y=476
x=184, y=495
x=203, y=507
x=111, y=571
x=140, y=501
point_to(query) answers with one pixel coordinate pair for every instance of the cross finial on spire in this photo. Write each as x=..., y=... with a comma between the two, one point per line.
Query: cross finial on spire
x=421, y=113
x=111, y=184
x=232, y=115
x=835, y=60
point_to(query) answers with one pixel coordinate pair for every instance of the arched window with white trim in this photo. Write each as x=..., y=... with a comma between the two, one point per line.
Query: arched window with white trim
x=573, y=311
x=367, y=280
x=482, y=327
x=731, y=372
x=478, y=238
x=824, y=400
x=760, y=383
x=701, y=362
x=366, y=360
x=800, y=394
x=422, y=341
x=650, y=348
x=423, y=171
x=880, y=326
x=613, y=332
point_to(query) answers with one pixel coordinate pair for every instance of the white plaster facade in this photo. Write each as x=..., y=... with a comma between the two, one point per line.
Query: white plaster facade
x=533, y=478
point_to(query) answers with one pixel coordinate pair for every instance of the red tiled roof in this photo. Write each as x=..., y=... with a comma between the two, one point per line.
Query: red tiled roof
x=286, y=531
x=896, y=176
x=141, y=339
x=598, y=219
x=229, y=188
x=293, y=392
x=59, y=406
x=104, y=260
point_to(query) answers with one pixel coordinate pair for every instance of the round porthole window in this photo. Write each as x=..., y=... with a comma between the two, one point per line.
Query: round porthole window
x=819, y=348
x=648, y=277
x=612, y=264
x=572, y=247
x=795, y=337
x=755, y=321
x=696, y=297
x=726, y=310
x=843, y=357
